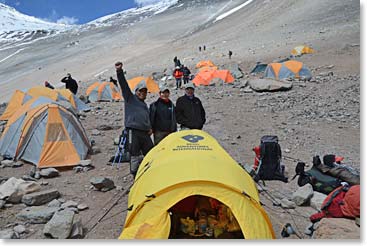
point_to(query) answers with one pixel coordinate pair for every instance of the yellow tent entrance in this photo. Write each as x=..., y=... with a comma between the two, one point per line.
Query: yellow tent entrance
x=191, y=163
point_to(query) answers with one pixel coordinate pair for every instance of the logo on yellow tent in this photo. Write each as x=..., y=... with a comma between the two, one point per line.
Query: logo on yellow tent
x=193, y=138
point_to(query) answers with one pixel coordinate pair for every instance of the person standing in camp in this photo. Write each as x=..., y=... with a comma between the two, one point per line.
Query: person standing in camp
x=186, y=74
x=190, y=112
x=177, y=73
x=162, y=116
x=204, y=47
x=70, y=83
x=230, y=54
x=137, y=120
x=199, y=48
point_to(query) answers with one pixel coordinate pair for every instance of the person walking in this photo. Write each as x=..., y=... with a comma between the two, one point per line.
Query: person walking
x=137, y=122
x=70, y=83
x=204, y=47
x=190, y=112
x=186, y=74
x=199, y=48
x=230, y=53
x=177, y=73
x=162, y=116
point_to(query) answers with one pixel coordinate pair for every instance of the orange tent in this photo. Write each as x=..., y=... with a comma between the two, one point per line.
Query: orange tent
x=45, y=134
x=205, y=77
x=288, y=69
x=151, y=84
x=105, y=91
x=207, y=63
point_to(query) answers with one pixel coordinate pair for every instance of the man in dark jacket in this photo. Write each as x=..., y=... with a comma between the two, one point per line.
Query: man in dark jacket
x=137, y=120
x=189, y=110
x=186, y=74
x=70, y=83
x=162, y=116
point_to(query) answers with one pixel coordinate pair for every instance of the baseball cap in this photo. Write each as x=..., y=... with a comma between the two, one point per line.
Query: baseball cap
x=163, y=88
x=189, y=85
x=141, y=85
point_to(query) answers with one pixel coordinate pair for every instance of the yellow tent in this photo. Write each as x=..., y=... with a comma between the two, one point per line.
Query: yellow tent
x=45, y=134
x=188, y=163
x=302, y=49
x=152, y=86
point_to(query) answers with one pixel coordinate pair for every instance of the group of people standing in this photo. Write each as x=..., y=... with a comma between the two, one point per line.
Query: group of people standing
x=160, y=119
x=181, y=73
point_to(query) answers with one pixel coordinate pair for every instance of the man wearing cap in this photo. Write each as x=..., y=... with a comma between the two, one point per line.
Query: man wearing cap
x=162, y=115
x=70, y=83
x=137, y=120
x=190, y=112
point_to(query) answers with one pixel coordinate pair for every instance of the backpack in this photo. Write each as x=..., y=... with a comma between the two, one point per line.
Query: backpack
x=320, y=182
x=343, y=202
x=270, y=167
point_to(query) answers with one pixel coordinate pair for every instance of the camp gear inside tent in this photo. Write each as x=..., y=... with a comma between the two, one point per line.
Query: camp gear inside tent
x=105, y=91
x=302, y=49
x=152, y=86
x=203, y=217
x=207, y=77
x=191, y=163
x=288, y=69
x=205, y=64
x=45, y=134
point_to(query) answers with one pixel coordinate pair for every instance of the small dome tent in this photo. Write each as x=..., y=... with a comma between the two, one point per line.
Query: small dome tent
x=191, y=163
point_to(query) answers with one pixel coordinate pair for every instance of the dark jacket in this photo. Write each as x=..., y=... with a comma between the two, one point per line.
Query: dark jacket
x=70, y=84
x=163, y=116
x=190, y=112
x=186, y=72
x=136, y=110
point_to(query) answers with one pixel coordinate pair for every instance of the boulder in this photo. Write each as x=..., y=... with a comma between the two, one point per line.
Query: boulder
x=95, y=132
x=337, y=228
x=303, y=195
x=14, y=189
x=116, y=141
x=69, y=204
x=7, y=163
x=285, y=203
x=37, y=214
x=49, y=172
x=96, y=150
x=20, y=229
x=261, y=85
x=317, y=200
x=54, y=203
x=77, y=231
x=40, y=198
x=60, y=225
x=7, y=234
x=85, y=163
x=102, y=184
x=82, y=206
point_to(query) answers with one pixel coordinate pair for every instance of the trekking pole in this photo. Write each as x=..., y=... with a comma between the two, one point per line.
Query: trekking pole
x=108, y=210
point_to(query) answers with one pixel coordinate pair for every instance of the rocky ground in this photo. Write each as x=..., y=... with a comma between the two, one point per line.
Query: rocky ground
x=320, y=116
